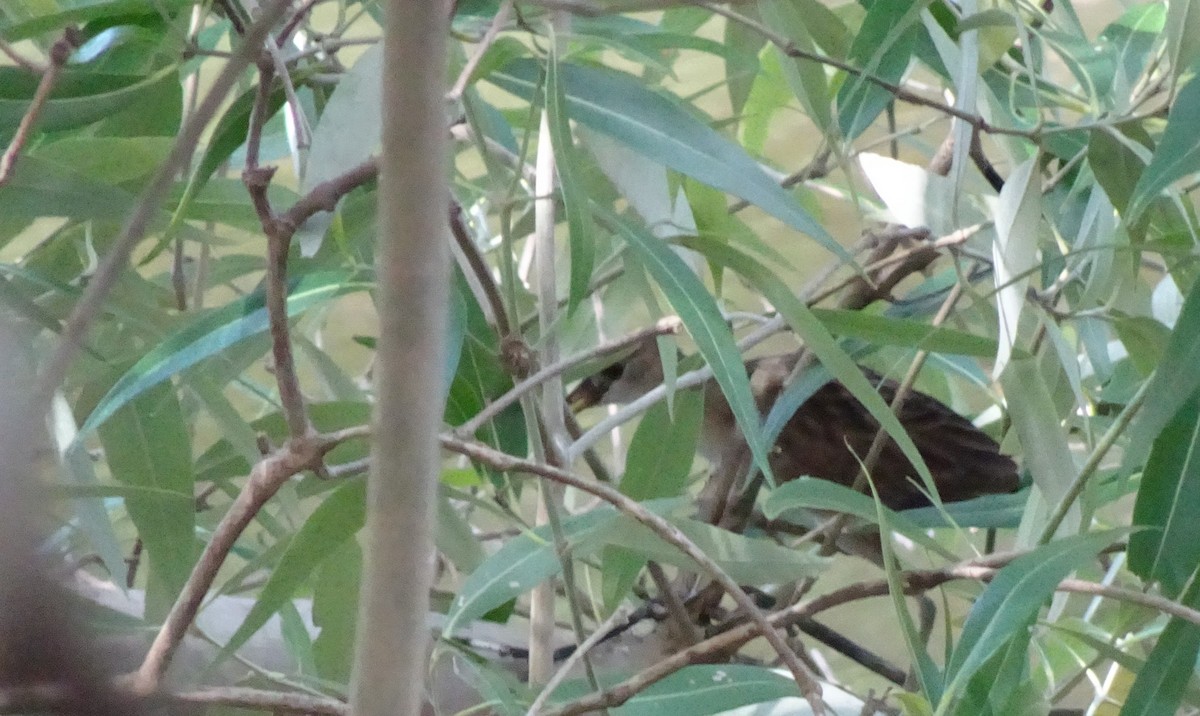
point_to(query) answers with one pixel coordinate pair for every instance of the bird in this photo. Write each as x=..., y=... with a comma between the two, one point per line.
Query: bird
x=830, y=434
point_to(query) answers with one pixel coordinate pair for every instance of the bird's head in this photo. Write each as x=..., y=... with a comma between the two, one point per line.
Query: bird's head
x=622, y=381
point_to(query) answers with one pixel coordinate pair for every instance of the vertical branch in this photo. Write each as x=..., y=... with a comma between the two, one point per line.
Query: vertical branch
x=279, y=240
x=541, y=608
x=413, y=270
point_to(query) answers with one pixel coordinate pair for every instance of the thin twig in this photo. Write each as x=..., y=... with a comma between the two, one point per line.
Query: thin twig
x=499, y=20
x=9, y=51
x=257, y=180
x=914, y=582
x=268, y=475
x=1075, y=489
x=805, y=679
x=480, y=270
x=789, y=48
x=665, y=326
x=599, y=634
x=59, y=53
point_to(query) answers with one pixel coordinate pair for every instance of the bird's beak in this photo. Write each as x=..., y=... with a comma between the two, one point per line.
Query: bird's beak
x=585, y=395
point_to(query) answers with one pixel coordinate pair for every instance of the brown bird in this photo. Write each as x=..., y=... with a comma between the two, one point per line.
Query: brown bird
x=831, y=432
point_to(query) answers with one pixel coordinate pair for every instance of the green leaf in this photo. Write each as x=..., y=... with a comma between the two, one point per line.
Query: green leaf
x=47, y=16
x=699, y=312
x=663, y=448
x=1043, y=442
x=337, y=519
x=889, y=331
x=882, y=48
x=1178, y=152
x=214, y=332
x=566, y=161
x=79, y=97
x=336, y=584
x=817, y=494
x=1013, y=598
x=1183, y=36
x=746, y=560
x=1168, y=502
x=40, y=188
x=521, y=564
x=806, y=78
x=1158, y=689
x=741, y=63
x=1116, y=165
x=657, y=126
x=658, y=463
x=1175, y=380
x=147, y=446
x=1018, y=216
x=710, y=689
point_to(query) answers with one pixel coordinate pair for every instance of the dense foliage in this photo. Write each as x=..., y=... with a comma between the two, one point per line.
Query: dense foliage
x=995, y=194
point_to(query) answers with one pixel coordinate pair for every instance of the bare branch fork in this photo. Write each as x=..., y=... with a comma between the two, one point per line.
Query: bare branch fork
x=296, y=456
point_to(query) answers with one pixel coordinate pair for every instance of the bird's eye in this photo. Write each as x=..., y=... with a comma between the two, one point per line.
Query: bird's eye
x=613, y=372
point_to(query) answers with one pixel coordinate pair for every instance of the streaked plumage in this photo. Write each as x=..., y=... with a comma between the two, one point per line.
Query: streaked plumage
x=831, y=432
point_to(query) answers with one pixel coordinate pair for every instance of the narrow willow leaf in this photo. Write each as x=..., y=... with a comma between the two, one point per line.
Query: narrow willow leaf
x=1018, y=216
x=747, y=560
x=146, y=444
x=928, y=675
x=566, y=161
x=1178, y=152
x=79, y=97
x=889, y=331
x=1160, y=684
x=816, y=494
x=1043, y=442
x=1175, y=380
x=1168, y=502
x=1183, y=35
x=711, y=689
x=337, y=519
x=520, y=565
x=212, y=333
x=806, y=78
x=699, y=312
x=44, y=17
x=660, y=128
x=882, y=47
x=1012, y=600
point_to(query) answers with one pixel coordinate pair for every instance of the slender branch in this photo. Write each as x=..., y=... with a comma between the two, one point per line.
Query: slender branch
x=59, y=53
x=499, y=20
x=805, y=679
x=664, y=326
x=257, y=180
x=9, y=51
x=479, y=268
x=789, y=48
x=91, y=302
x=265, y=480
x=914, y=582
x=326, y=195
x=63, y=699
x=599, y=634
x=413, y=268
x=1075, y=489
x=293, y=22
